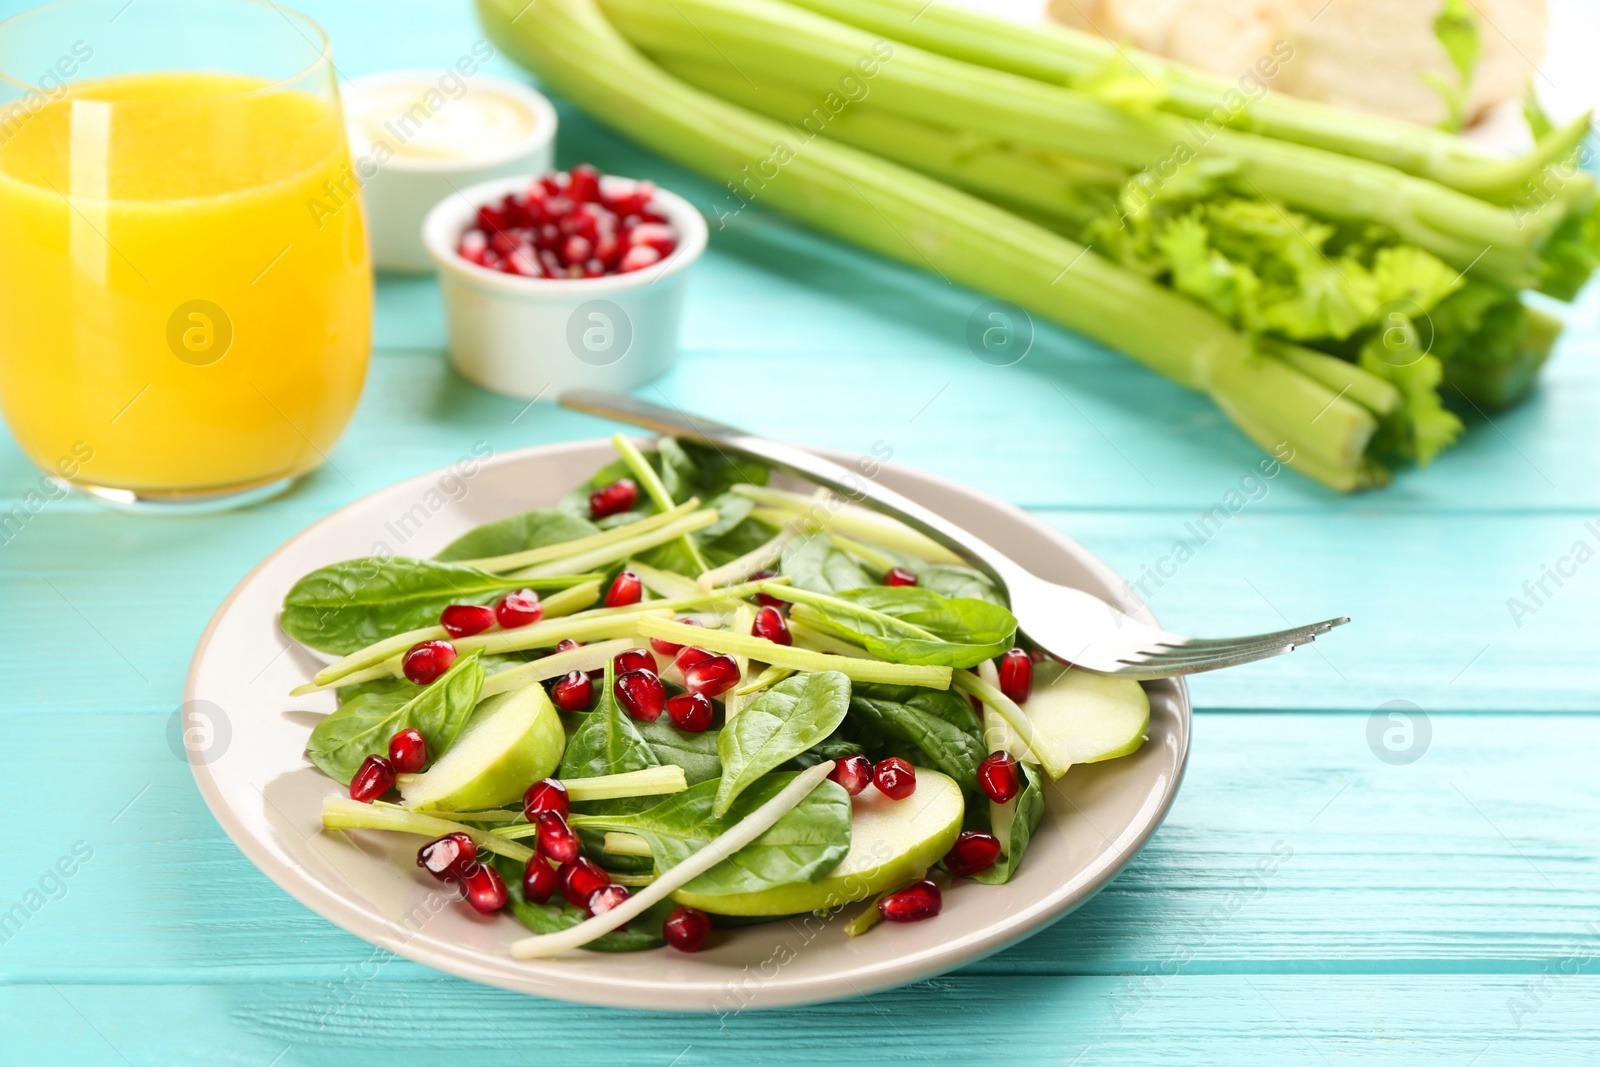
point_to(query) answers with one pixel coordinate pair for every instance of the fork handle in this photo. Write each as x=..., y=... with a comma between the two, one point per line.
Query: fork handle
x=842, y=480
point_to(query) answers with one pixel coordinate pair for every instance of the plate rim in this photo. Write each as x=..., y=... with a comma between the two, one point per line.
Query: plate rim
x=795, y=992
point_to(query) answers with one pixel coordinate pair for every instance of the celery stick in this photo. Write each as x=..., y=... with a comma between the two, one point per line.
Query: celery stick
x=342, y=813
x=626, y=845
x=800, y=659
x=606, y=555
x=654, y=489
x=615, y=535
x=856, y=520
x=589, y=657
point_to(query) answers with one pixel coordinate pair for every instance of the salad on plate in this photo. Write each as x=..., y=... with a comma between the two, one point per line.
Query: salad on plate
x=684, y=700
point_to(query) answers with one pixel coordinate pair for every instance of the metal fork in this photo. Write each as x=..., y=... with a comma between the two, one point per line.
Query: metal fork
x=1070, y=624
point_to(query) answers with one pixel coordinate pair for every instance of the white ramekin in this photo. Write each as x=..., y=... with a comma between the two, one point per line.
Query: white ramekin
x=537, y=337
x=400, y=192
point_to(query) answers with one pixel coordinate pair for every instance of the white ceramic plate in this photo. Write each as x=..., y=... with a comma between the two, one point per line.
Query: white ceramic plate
x=246, y=736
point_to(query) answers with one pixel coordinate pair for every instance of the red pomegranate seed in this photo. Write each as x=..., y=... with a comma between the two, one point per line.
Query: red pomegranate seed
x=576, y=249
x=555, y=838
x=372, y=780
x=633, y=659
x=712, y=677
x=448, y=856
x=641, y=694
x=899, y=576
x=567, y=644
x=426, y=660
x=613, y=499
x=771, y=625
x=574, y=692
x=767, y=600
x=625, y=589
x=579, y=880
x=686, y=929
x=653, y=235
x=583, y=183
x=690, y=657
x=464, y=620
x=604, y=899
x=484, y=888
x=895, y=778
x=691, y=712
x=538, y=880
x=972, y=852
x=521, y=608
x=634, y=200
x=852, y=772
x=997, y=777
x=1016, y=675
x=408, y=752
x=547, y=795
x=917, y=901
x=667, y=648
x=638, y=258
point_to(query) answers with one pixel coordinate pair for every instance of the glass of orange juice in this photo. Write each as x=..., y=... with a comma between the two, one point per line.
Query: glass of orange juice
x=185, y=289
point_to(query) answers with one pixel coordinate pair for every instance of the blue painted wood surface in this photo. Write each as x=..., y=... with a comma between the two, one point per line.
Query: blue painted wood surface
x=1444, y=909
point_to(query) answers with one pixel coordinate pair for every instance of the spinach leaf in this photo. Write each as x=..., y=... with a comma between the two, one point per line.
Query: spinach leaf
x=364, y=724
x=608, y=742
x=813, y=563
x=679, y=474
x=939, y=723
x=804, y=845
x=954, y=582
x=695, y=753
x=778, y=725
x=642, y=933
x=716, y=471
x=908, y=624
x=347, y=606
x=1014, y=823
x=518, y=533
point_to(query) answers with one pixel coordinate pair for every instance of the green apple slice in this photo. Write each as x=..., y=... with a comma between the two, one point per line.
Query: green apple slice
x=512, y=740
x=891, y=842
x=1083, y=717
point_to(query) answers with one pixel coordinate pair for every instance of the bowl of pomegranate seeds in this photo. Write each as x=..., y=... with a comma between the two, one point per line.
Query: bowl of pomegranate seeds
x=563, y=280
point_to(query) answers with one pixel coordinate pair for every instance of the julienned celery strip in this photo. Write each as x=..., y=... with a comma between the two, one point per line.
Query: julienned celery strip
x=606, y=538
x=620, y=550
x=923, y=222
x=342, y=813
x=781, y=41
x=626, y=845
x=655, y=490
x=651, y=781
x=800, y=659
x=590, y=657
x=664, y=583
x=1064, y=56
x=769, y=677
x=852, y=519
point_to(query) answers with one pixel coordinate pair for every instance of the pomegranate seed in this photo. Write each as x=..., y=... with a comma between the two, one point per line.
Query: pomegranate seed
x=634, y=200
x=686, y=929
x=691, y=712
x=427, y=660
x=690, y=657
x=448, y=856
x=638, y=258
x=464, y=620
x=771, y=625
x=1016, y=675
x=641, y=694
x=521, y=608
x=567, y=644
x=895, y=778
x=583, y=183
x=613, y=499
x=917, y=901
x=484, y=888
x=604, y=899
x=576, y=249
x=547, y=795
x=575, y=692
x=899, y=576
x=767, y=600
x=538, y=880
x=633, y=659
x=653, y=235
x=372, y=780
x=997, y=777
x=555, y=838
x=712, y=677
x=667, y=648
x=625, y=589
x=408, y=752
x=852, y=772
x=972, y=852
x=580, y=879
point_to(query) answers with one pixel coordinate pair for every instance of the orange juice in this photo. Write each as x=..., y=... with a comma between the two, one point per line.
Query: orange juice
x=185, y=292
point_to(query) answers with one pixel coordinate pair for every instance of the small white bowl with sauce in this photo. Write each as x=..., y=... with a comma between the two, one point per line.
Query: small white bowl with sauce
x=418, y=136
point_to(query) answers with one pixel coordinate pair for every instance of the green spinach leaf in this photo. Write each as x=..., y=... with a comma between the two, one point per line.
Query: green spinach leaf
x=939, y=723
x=518, y=533
x=642, y=933
x=813, y=563
x=907, y=624
x=608, y=742
x=695, y=753
x=778, y=725
x=364, y=724
x=804, y=845
x=1014, y=823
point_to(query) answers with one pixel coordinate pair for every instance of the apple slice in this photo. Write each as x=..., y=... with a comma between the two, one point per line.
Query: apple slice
x=1083, y=717
x=891, y=842
x=513, y=740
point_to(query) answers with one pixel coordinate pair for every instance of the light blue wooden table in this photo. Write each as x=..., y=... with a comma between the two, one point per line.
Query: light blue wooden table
x=1306, y=902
